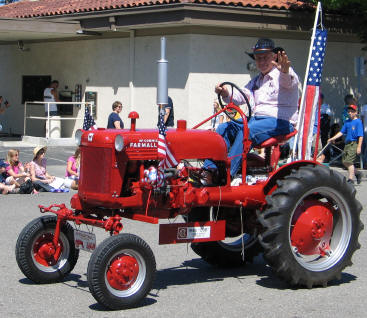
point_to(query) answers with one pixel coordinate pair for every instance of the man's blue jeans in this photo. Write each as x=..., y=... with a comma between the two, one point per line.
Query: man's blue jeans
x=261, y=129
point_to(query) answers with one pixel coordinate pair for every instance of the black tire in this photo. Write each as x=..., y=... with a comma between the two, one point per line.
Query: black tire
x=110, y=287
x=33, y=263
x=312, y=223
x=224, y=253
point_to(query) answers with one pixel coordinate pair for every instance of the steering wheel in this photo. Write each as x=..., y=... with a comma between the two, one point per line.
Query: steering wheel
x=232, y=115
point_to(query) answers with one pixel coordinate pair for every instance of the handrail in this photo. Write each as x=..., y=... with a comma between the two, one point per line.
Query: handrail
x=48, y=118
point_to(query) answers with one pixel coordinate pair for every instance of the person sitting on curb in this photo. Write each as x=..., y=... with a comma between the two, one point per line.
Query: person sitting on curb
x=353, y=129
x=39, y=176
x=72, y=171
x=15, y=169
x=4, y=189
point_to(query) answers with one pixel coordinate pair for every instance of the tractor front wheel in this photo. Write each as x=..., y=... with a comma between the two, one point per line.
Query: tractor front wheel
x=311, y=226
x=38, y=257
x=121, y=271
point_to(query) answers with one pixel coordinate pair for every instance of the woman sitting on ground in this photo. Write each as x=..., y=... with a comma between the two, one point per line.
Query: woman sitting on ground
x=72, y=170
x=15, y=170
x=39, y=176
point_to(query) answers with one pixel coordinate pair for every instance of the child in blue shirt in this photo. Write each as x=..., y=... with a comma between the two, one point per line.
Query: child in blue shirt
x=4, y=189
x=353, y=130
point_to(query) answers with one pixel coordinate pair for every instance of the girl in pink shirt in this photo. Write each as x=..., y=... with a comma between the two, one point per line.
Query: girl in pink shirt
x=40, y=178
x=15, y=170
x=72, y=170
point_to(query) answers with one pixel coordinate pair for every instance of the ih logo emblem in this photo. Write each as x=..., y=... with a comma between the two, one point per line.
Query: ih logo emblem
x=90, y=137
x=182, y=233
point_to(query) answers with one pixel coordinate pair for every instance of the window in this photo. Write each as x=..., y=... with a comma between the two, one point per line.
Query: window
x=33, y=87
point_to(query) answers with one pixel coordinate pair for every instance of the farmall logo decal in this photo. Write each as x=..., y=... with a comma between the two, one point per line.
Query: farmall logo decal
x=144, y=143
x=195, y=232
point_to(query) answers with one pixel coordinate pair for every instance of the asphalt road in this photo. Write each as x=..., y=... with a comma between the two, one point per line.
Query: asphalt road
x=185, y=286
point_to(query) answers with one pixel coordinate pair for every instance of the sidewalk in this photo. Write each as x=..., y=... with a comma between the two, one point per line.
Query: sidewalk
x=29, y=141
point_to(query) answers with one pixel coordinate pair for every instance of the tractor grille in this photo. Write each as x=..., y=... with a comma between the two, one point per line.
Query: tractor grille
x=95, y=169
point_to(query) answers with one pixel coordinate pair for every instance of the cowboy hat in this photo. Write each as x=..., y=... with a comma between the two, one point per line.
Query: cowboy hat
x=37, y=149
x=262, y=46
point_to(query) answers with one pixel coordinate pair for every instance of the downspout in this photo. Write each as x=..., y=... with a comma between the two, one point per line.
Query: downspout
x=131, y=68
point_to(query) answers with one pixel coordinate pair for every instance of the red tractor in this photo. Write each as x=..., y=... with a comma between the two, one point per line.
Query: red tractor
x=303, y=216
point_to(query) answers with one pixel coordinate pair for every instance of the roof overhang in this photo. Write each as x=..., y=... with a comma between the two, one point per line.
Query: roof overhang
x=12, y=30
x=172, y=18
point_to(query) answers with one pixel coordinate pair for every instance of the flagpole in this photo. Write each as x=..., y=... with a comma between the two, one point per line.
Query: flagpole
x=301, y=114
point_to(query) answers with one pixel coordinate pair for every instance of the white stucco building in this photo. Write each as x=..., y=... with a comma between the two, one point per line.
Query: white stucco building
x=206, y=44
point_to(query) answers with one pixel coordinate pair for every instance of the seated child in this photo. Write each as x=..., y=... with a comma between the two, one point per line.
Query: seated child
x=72, y=171
x=15, y=170
x=4, y=189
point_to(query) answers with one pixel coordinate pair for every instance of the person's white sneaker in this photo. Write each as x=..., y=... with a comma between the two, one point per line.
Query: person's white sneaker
x=236, y=181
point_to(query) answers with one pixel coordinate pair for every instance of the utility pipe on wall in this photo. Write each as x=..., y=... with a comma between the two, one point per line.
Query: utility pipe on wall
x=131, y=68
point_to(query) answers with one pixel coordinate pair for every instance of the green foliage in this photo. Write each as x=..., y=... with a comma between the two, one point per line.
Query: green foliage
x=356, y=9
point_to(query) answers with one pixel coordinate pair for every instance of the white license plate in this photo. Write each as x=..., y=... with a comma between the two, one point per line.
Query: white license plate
x=84, y=240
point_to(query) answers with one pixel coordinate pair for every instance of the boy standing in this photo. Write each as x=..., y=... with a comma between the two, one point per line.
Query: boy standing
x=353, y=129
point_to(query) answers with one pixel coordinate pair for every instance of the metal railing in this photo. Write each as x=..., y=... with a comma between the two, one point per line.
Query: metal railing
x=49, y=118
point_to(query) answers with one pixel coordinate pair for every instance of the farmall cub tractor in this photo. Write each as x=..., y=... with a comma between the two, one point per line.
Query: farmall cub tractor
x=303, y=216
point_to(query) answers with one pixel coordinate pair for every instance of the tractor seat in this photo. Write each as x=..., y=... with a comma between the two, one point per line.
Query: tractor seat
x=276, y=140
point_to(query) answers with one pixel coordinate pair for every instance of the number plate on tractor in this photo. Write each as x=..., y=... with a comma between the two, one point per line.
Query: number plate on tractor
x=84, y=240
x=191, y=232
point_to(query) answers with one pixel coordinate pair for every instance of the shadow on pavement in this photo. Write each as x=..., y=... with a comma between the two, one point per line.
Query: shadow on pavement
x=273, y=282
x=147, y=301
x=197, y=271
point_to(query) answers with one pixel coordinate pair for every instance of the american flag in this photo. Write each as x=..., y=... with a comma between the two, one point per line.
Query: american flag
x=310, y=101
x=167, y=159
x=89, y=123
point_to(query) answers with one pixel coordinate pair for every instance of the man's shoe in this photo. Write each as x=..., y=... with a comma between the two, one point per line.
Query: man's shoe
x=359, y=177
x=350, y=181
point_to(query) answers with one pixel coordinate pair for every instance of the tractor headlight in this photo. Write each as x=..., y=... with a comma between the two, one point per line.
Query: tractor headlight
x=119, y=143
x=78, y=137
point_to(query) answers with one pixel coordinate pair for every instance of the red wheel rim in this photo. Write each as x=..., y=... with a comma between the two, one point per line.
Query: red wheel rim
x=44, y=250
x=122, y=272
x=312, y=227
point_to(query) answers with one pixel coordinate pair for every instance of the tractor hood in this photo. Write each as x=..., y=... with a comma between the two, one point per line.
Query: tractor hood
x=142, y=144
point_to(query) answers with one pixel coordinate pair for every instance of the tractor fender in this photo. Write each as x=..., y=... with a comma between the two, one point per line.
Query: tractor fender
x=284, y=171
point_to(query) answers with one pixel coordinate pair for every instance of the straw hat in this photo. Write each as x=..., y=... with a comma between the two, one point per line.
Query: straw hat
x=37, y=149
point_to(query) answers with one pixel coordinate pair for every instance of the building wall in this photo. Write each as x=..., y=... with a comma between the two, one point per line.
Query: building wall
x=196, y=64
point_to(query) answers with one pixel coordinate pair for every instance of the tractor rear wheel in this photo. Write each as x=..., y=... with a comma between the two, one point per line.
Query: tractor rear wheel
x=311, y=226
x=227, y=253
x=121, y=271
x=37, y=256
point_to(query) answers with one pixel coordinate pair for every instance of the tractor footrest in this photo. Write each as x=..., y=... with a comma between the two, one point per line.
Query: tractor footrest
x=192, y=232
x=258, y=170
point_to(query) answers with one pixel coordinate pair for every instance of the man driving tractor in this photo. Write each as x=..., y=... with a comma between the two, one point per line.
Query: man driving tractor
x=273, y=98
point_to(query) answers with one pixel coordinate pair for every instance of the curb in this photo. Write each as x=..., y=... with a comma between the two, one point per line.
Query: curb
x=30, y=141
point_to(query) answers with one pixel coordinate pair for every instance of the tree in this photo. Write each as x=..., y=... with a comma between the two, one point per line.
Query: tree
x=357, y=9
